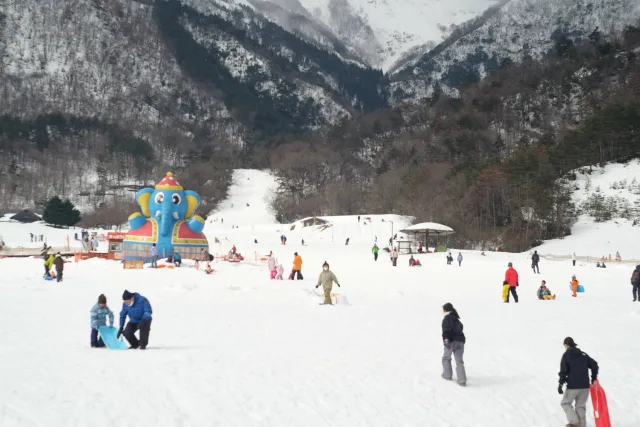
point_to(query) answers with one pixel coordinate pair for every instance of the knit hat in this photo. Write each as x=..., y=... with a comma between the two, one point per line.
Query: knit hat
x=127, y=295
x=510, y=264
x=102, y=299
x=568, y=341
x=325, y=263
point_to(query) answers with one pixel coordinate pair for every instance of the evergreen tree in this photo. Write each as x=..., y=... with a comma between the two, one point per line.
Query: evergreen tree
x=60, y=213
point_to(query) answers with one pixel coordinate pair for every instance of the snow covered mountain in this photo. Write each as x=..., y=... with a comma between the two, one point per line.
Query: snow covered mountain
x=517, y=30
x=382, y=31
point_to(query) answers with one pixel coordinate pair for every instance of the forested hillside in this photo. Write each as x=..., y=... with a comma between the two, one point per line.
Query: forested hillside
x=493, y=161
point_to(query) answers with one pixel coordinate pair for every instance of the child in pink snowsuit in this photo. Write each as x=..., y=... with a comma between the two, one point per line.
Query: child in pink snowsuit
x=280, y=272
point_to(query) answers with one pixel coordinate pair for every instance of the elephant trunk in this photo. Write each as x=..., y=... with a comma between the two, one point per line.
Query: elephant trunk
x=166, y=221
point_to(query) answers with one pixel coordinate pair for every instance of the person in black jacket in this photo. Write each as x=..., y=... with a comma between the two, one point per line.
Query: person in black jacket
x=535, y=260
x=574, y=371
x=453, y=339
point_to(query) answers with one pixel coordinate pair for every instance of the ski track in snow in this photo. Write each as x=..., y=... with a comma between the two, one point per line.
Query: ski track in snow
x=236, y=349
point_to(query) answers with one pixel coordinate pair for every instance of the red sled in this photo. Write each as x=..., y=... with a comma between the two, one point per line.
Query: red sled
x=600, y=407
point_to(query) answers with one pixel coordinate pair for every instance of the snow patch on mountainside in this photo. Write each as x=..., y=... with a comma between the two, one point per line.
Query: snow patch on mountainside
x=390, y=27
x=613, y=188
x=519, y=29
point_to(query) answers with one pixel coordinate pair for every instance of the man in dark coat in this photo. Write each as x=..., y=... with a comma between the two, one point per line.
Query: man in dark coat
x=59, y=263
x=574, y=372
x=635, y=282
x=535, y=260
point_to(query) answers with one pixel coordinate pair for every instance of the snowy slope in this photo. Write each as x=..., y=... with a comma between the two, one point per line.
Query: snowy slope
x=235, y=349
x=383, y=30
x=619, y=187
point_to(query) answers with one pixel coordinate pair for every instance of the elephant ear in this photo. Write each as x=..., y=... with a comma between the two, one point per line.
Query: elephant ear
x=142, y=197
x=193, y=201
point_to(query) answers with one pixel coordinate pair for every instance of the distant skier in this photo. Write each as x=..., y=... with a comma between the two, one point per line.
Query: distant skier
x=394, y=256
x=326, y=279
x=99, y=313
x=302, y=242
x=346, y=243
x=574, y=372
x=453, y=339
x=535, y=260
x=459, y=259
x=140, y=313
x=375, y=251
x=358, y=218
x=635, y=282
x=510, y=283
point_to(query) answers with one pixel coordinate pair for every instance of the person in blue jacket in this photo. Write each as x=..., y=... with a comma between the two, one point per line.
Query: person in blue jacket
x=139, y=311
x=177, y=259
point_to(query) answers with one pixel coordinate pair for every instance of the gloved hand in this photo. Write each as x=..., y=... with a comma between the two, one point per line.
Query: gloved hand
x=518, y=284
x=594, y=380
x=317, y=286
x=119, y=333
x=560, y=391
x=446, y=344
x=338, y=284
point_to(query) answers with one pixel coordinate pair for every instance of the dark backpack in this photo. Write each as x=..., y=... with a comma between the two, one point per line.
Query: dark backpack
x=635, y=277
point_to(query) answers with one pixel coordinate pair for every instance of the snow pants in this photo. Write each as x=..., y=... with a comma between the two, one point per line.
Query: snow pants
x=297, y=274
x=636, y=292
x=375, y=256
x=457, y=349
x=577, y=416
x=574, y=262
x=154, y=261
x=535, y=267
x=274, y=273
x=46, y=270
x=95, y=341
x=327, y=294
x=58, y=276
x=394, y=261
x=129, y=333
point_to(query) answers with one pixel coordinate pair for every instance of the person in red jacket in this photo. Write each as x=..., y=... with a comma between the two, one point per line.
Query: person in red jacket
x=510, y=278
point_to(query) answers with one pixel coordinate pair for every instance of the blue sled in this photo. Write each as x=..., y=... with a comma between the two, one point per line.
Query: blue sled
x=580, y=288
x=109, y=336
x=48, y=277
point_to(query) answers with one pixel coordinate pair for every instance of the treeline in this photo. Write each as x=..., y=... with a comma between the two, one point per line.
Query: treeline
x=493, y=163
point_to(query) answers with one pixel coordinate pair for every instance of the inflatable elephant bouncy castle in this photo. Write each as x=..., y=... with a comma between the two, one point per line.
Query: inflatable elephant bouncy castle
x=167, y=219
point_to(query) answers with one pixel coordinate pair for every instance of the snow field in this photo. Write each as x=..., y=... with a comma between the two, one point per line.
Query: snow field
x=236, y=349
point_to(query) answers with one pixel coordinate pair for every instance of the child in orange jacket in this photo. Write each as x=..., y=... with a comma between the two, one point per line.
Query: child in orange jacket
x=574, y=285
